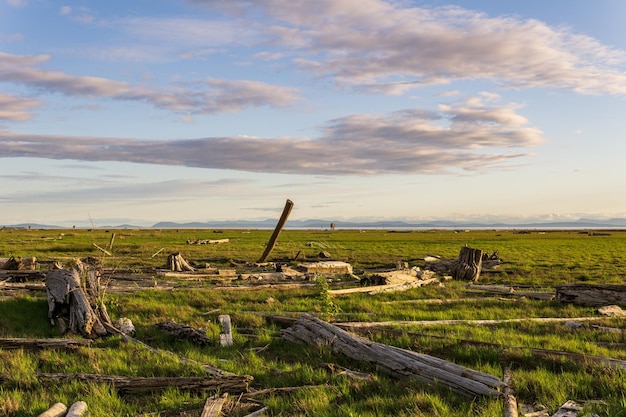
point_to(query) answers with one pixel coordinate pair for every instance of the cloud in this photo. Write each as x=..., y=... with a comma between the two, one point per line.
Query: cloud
x=16, y=109
x=212, y=97
x=12, y=37
x=386, y=47
x=81, y=14
x=468, y=135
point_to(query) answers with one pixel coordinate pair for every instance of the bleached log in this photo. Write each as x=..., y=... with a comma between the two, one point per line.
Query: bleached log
x=213, y=406
x=349, y=325
x=375, y=289
x=257, y=413
x=395, y=361
x=176, y=262
x=510, y=402
x=57, y=410
x=78, y=409
x=232, y=384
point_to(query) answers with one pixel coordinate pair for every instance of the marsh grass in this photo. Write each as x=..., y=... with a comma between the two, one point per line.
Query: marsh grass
x=534, y=260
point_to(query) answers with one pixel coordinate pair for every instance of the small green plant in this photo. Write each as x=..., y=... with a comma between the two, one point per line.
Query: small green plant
x=328, y=308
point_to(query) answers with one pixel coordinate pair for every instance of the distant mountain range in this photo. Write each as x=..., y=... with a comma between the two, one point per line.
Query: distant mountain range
x=392, y=224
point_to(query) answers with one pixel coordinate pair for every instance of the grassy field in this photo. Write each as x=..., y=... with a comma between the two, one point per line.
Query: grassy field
x=535, y=260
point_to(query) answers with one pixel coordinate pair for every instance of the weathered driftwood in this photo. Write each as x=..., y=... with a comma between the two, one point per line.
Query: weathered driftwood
x=326, y=267
x=397, y=362
x=508, y=290
x=257, y=413
x=78, y=409
x=376, y=289
x=57, y=410
x=234, y=384
x=542, y=353
x=510, y=402
x=591, y=294
x=176, y=262
x=207, y=241
x=184, y=332
x=569, y=409
x=20, y=264
x=226, y=338
x=65, y=292
x=612, y=311
x=213, y=406
x=18, y=343
x=398, y=276
x=468, y=265
x=370, y=324
x=279, y=227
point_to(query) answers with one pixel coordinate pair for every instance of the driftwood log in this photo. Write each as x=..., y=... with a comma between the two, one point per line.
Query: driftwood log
x=213, y=406
x=69, y=296
x=184, y=332
x=17, y=343
x=395, y=361
x=57, y=410
x=591, y=294
x=78, y=409
x=232, y=384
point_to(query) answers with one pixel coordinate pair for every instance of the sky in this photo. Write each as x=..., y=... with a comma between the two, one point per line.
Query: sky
x=118, y=112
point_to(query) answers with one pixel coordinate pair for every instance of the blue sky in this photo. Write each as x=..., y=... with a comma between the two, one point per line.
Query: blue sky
x=194, y=110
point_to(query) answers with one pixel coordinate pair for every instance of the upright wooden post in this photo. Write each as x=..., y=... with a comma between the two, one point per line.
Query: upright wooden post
x=277, y=230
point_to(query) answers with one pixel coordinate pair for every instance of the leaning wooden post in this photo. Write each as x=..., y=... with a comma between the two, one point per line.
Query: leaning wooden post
x=277, y=230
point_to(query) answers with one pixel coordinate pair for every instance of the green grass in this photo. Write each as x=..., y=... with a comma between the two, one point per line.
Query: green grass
x=534, y=260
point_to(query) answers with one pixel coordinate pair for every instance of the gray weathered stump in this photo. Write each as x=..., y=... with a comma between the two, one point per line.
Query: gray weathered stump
x=468, y=265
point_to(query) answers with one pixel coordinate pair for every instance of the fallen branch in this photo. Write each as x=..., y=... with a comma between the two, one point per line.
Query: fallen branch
x=19, y=343
x=395, y=361
x=230, y=384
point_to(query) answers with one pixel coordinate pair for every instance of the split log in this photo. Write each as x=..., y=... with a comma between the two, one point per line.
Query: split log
x=213, y=406
x=18, y=343
x=176, y=262
x=184, y=332
x=397, y=362
x=279, y=227
x=468, y=264
x=232, y=384
x=78, y=409
x=591, y=294
x=57, y=410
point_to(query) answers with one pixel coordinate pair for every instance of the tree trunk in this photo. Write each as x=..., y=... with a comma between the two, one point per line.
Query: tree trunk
x=395, y=361
x=468, y=265
x=591, y=294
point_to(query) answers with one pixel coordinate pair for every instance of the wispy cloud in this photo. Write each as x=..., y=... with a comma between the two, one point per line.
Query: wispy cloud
x=467, y=135
x=213, y=96
x=16, y=108
x=383, y=46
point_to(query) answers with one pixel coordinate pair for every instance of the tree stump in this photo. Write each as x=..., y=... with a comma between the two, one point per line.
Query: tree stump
x=176, y=262
x=468, y=265
x=69, y=299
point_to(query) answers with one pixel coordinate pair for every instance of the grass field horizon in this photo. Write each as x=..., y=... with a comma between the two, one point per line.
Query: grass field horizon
x=530, y=259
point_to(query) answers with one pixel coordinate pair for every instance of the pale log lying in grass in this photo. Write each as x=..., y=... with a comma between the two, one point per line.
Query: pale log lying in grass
x=78, y=409
x=350, y=325
x=57, y=410
x=569, y=409
x=213, y=406
x=384, y=288
x=231, y=384
x=395, y=361
x=510, y=402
